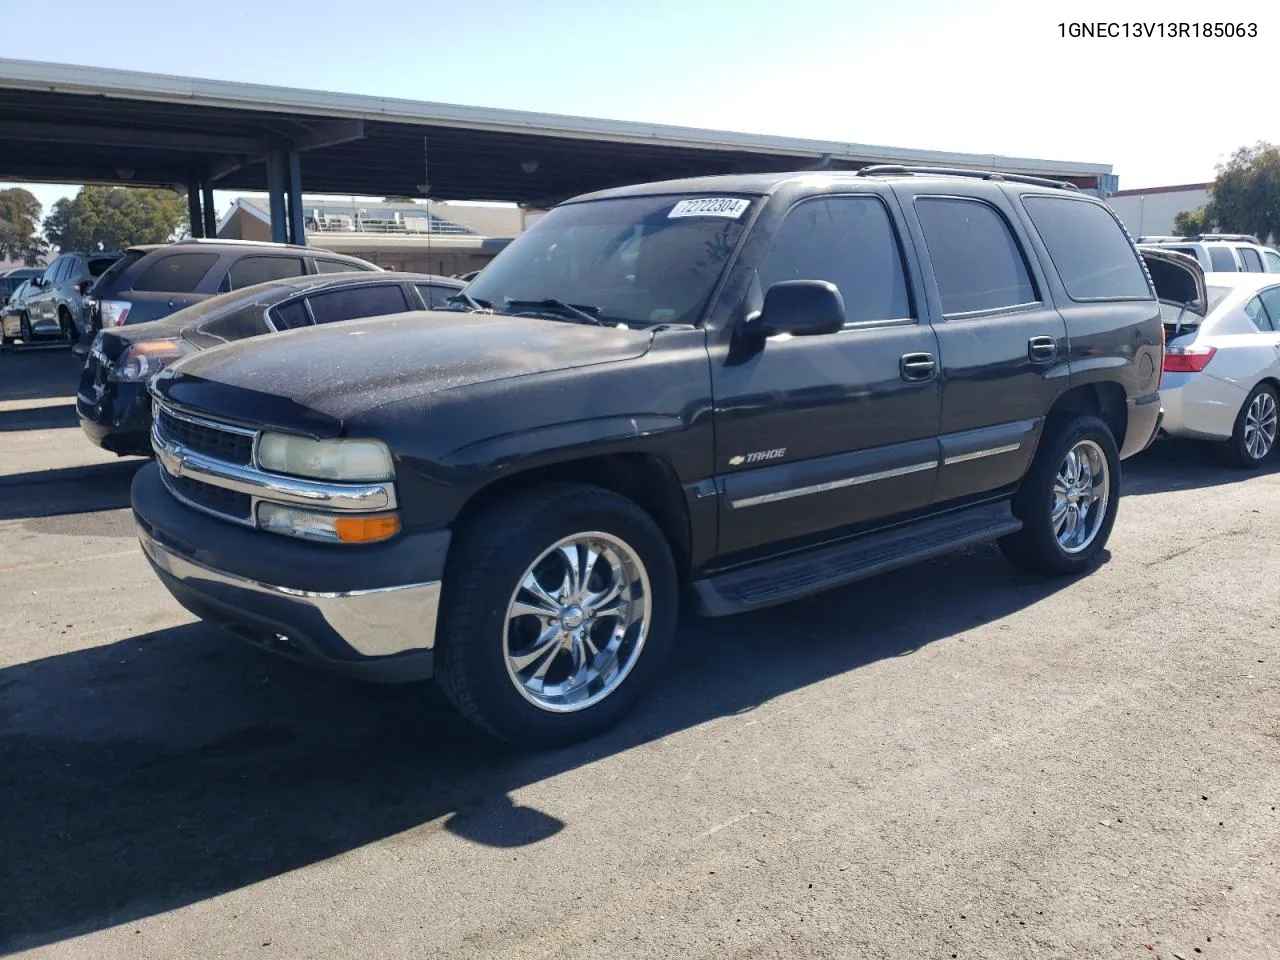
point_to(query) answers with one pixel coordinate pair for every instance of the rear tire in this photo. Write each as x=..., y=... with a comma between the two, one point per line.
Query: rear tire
x=545, y=679
x=1067, y=511
x=1254, y=435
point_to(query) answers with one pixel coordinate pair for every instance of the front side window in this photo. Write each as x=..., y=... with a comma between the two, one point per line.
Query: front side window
x=1258, y=314
x=632, y=260
x=976, y=260
x=336, y=305
x=250, y=270
x=848, y=241
x=176, y=273
x=1088, y=248
x=1252, y=262
x=52, y=271
x=1221, y=260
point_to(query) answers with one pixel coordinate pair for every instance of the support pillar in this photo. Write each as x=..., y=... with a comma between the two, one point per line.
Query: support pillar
x=277, y=186
x=297, y=228
x=193, y=210
x=210, y=214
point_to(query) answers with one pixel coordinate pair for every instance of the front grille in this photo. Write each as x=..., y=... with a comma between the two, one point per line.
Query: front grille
x=227, y=503
x=207, y=439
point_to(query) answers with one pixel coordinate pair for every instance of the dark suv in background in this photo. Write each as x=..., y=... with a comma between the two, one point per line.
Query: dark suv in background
x=112, y=400
x=150, y=282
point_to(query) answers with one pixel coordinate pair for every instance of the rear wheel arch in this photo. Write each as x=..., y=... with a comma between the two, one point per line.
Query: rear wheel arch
x=1104, y=400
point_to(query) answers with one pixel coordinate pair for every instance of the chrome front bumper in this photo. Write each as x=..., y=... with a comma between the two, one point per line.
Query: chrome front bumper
x=385, y=634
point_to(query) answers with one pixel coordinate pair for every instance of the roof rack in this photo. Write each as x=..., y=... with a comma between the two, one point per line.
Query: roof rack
x=1162, y=239
x=890, y=169
x=1234, y=237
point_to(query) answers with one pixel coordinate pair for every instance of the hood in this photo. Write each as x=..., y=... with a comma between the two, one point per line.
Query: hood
x=315, y=379
x=1179, y=283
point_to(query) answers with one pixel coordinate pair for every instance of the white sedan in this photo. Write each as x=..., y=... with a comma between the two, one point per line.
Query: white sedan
x=1222, y=366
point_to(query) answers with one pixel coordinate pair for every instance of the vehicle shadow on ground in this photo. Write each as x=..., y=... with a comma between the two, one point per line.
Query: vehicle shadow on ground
x=1170, y=465
x=39, y=418
x=174, y=766
x=39, y=375
x=51, y=493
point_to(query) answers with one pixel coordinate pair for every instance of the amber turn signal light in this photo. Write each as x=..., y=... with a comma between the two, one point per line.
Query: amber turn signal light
x=367, y=529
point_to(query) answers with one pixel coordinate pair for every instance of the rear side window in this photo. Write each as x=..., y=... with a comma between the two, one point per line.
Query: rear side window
x=1088, y=248
x=848, y=241
x=290, y=316
x=250, y=270
x=437, y=298
x=176, y=273
x=1258, y=314
x=358, y=302
x=1252, y=262
x=99, y=265
x=337, y=266
x=1271, y=300
x=976, y=260
x=1221, y=260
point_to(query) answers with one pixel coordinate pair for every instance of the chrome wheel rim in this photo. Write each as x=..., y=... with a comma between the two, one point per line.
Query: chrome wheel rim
x=1081, y=492
x=1260, y=425
x=577, y=622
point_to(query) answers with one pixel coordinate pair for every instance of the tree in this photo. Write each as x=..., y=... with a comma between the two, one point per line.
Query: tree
x=1245, y=197
x=1189, y=223
x=110, y=218
x=19, y=222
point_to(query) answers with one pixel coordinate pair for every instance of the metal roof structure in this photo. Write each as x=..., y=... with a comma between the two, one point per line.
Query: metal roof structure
x=74, y=124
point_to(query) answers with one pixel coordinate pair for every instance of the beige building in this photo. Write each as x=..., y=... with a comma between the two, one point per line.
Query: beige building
x=1149, y=212
x=446, y=238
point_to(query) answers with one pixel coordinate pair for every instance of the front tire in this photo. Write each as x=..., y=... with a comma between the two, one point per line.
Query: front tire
x=1068, y=500
x=558, y=611
x=1254, y=435
x=67, y=326
x=24, y=320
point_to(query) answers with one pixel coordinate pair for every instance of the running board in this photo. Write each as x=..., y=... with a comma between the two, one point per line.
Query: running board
x=799, y=575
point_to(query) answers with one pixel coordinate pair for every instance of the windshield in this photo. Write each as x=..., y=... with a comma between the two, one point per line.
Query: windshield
x=634, y=260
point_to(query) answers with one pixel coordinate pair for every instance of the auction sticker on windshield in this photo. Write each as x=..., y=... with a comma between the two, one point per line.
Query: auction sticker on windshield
x=731, y=207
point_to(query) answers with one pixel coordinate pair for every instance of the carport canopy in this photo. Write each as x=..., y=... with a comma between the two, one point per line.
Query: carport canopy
x=72, y=124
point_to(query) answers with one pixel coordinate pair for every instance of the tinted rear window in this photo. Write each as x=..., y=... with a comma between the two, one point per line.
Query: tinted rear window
x=1252, y=262
x=337, y=266
x=251, y=270
x=976, y=260
x=99, y=265
x=1221, y=260
x=118, y=267
x=361, y=302
x=1088, y=248
x=290, y=316
x=176, y=273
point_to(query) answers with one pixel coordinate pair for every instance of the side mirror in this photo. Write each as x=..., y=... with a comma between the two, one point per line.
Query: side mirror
x=802, y=308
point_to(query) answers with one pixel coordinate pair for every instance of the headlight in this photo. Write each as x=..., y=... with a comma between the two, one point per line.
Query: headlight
x=325, y=459
x=142, y=361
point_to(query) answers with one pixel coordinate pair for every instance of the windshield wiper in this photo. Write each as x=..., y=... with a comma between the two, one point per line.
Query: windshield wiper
x=583, y=312
x=463, y=297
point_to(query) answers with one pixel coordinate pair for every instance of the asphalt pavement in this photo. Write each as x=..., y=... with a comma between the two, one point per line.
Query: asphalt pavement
x=955, y=760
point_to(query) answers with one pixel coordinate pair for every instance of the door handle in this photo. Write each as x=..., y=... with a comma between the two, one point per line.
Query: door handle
x=1041, y=349
x=917, y=367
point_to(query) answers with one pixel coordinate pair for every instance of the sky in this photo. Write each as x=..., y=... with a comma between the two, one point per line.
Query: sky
x=988, y=76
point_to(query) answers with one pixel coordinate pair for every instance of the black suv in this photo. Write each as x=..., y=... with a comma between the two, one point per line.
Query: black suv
x=755, y=387
x=150, y=282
